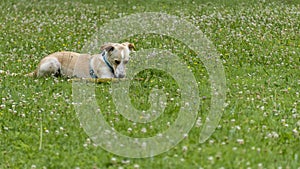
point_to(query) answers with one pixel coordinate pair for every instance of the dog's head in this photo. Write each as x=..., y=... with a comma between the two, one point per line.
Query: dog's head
x=118, y=56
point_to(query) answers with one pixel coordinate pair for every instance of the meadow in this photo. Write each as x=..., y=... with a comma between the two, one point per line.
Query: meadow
x=259, y=45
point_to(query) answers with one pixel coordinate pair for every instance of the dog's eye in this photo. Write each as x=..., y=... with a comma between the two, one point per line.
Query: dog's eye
x=117, y=62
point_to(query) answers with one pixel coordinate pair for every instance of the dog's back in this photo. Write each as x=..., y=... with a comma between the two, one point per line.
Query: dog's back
x=61, y=63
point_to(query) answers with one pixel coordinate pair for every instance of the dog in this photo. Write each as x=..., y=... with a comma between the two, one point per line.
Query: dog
x=110, y=63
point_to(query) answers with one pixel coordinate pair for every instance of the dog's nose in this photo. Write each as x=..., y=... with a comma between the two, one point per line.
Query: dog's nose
x=121, y=76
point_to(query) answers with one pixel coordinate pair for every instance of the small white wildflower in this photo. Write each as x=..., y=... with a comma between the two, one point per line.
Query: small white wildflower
x=168, y=124
x=199, y=122
x=125, y=161
x=129, y=130
x=136, y=166
x=269, y=135
x=298, y=123
x=2, y=106
x=144, y=130
x=185, y=135
x=258, y=149
x=295, y=116
x=295, y=131
x=113, y=159
x=144, y=145
x=184, y=148
x=275, y=135
x=240, y=141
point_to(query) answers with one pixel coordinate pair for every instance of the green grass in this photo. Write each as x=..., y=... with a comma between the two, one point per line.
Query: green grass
x=258, y=41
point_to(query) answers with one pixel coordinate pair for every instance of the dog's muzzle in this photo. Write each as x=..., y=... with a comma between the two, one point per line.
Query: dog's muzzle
x=120, y=76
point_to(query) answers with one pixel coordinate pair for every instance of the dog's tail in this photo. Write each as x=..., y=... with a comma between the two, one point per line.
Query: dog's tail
x=32, y=74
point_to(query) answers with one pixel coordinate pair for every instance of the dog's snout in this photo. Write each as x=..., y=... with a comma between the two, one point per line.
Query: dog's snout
x=121, y=76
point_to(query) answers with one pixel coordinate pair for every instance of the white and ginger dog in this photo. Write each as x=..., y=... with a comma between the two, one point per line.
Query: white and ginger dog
x=110, y=63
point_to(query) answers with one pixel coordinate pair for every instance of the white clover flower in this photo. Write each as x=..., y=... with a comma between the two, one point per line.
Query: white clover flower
x=210, y=158
x=125, y=161
x=184, y=148
x=113, y=159
x=199, y=122
x=240, y=141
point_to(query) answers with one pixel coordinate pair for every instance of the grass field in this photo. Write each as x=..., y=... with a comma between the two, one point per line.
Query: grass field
x=258, y=42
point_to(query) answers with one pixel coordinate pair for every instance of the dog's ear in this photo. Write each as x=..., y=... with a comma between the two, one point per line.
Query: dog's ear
x=130, y=46
x=108, y=48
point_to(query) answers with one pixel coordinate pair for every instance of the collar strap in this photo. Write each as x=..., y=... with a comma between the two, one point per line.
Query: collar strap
x=107, y=62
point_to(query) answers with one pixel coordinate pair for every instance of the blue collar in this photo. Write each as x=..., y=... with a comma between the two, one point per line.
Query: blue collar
x=107, y=62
